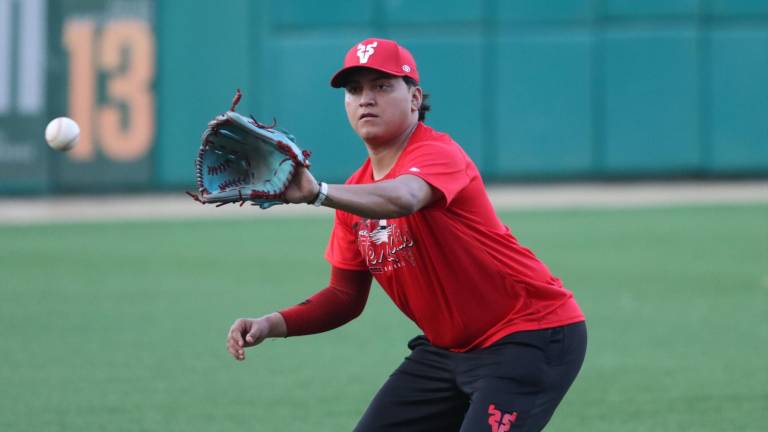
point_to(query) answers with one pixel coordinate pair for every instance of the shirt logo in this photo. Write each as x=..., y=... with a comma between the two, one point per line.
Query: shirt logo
x=381, y=234
x=365, y=51
x=384, y=246
x=414, y=169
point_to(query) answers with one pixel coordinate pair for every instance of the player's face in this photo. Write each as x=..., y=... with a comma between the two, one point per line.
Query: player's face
x=380, y=107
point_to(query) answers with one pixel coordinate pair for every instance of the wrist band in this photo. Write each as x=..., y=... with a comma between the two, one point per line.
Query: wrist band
x=321, y=195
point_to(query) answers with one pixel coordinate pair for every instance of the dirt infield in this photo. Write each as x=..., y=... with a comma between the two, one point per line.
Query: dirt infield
x=70, y=209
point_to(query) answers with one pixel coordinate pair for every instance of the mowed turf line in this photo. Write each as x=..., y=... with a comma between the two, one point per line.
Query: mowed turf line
x=121, y=327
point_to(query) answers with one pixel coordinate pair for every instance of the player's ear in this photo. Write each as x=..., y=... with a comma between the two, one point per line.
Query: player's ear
x=417, y=96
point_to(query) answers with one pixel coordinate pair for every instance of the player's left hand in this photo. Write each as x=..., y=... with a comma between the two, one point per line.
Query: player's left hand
x=303, y=188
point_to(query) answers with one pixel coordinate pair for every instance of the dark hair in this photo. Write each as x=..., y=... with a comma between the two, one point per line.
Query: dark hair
x=410, y=82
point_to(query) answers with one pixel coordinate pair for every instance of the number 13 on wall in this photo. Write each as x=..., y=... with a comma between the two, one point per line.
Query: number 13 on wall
x=123, y=53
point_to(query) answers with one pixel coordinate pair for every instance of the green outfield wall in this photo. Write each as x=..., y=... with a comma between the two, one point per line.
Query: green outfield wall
x=532, y=89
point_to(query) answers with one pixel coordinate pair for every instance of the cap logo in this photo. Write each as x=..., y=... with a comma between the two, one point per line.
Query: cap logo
x=406, y=69
x=365, y=51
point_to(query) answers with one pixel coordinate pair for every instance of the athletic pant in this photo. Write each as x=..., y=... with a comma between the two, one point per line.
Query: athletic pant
x=513, y=385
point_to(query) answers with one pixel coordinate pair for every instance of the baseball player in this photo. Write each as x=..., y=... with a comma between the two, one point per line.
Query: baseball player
x=502, y=338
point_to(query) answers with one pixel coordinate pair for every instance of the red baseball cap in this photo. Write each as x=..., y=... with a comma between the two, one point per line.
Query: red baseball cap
x=379, y=54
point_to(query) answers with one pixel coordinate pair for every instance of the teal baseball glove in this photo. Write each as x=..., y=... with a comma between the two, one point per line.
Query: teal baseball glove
x=241, y=160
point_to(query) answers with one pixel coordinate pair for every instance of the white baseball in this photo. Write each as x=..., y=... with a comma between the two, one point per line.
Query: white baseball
x=62, y=133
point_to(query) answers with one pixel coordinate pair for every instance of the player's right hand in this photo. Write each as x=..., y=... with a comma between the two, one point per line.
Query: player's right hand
x=246, y=332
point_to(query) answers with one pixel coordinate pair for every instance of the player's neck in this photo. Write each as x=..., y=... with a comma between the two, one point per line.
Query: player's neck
x=383, y=157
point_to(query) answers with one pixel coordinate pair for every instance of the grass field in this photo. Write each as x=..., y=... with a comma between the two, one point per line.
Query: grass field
x=121, y=327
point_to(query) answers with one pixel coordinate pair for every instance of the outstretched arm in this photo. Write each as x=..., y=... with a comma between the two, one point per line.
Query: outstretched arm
x=342, y=301
x=332, y=307
x=387, y=199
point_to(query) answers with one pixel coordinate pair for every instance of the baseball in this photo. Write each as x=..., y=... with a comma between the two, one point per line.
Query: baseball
x=62, y=133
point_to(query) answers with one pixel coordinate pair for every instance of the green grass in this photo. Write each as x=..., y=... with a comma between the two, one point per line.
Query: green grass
x=121, y=327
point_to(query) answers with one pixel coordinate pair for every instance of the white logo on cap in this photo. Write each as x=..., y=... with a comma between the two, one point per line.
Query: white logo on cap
x=406, y=68
x=365, y=51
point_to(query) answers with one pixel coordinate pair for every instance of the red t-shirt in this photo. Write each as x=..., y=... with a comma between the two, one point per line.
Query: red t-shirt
x=452, y=267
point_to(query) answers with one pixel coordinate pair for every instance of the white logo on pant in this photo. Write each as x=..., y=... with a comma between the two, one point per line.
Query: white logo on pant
x=365, y=51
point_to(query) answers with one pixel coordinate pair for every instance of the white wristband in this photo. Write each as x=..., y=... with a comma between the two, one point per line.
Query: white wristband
x=321, y=194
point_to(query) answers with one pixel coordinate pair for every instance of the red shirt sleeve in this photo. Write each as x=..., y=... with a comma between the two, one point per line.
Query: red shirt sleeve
x=443, y=165
x=342, y=250
x=342, y=301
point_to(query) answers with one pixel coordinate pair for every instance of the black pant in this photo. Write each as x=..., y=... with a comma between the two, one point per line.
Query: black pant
x=513, y=385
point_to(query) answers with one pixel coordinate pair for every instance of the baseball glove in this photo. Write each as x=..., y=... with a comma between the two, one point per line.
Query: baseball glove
x=242, y=160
